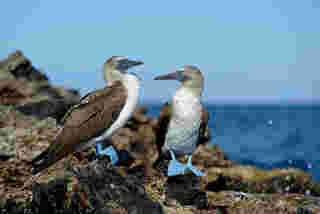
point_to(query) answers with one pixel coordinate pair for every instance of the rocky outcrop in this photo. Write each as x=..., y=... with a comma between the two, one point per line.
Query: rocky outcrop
x=30, y=91
x=18, y=66
x=83, y=183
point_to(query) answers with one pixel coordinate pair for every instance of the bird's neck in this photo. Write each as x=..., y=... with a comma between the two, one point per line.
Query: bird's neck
x=130, y=81
x=186, y=105
x=189, y=91
x=112, y=75
x=186, y=98
x=132, y=85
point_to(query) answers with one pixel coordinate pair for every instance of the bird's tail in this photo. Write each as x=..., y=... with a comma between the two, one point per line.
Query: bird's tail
x=36, y=168
x=40, y=162
x=43, y=160
x=39, y=157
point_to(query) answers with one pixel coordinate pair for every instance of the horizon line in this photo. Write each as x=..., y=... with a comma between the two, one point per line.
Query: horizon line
x=229, y=101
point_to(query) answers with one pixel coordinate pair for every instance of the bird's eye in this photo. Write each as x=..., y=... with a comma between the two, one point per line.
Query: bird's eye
x=181, y=75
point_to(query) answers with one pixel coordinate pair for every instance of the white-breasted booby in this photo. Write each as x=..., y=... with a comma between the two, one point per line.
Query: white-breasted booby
x=100, y=113
x=183, y=130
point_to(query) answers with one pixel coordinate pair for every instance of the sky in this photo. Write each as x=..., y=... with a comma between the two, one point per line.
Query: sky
x=257, y=51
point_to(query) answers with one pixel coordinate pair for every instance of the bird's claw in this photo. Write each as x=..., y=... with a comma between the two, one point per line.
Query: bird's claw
x=176, y=168
x=195, y=171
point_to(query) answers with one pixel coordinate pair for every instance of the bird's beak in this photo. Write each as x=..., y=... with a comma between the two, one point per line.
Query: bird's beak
x=125, y=64
x=132, y=63
x=169, y=76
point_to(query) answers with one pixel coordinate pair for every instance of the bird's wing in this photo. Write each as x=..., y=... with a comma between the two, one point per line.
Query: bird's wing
x=88, y=98
x=85, y=121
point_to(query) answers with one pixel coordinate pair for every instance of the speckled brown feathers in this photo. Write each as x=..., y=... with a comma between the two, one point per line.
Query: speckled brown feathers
x=89, y=119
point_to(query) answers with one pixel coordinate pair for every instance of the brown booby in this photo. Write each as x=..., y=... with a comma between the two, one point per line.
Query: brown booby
x=183, y=130
x=100, y=113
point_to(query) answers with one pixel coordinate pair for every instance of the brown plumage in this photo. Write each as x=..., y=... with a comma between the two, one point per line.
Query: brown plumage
x=83, y=122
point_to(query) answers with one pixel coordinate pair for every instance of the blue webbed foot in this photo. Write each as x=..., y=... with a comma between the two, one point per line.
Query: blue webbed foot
x=177, y=168
x=192, y=169
x=109, y=151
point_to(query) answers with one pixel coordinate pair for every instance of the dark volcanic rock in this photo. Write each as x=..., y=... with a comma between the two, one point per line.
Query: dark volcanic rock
x=186, y=190
x=208, y=156
x=162, y=127
x=12, y=91
x=18, y=65
x=104, y=183
x=47, y=108
x=13, y=207
x=222, y=183
x=49, y=198
x=100, y=189
x=24, y=86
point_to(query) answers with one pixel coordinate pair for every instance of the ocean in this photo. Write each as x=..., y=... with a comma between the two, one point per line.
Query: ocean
x=266, y=136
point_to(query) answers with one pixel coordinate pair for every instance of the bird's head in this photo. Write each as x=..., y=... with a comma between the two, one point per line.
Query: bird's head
x=116, y=66
x=189, y=75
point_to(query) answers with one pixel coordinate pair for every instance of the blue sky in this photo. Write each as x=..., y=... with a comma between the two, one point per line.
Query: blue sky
x=248, y=50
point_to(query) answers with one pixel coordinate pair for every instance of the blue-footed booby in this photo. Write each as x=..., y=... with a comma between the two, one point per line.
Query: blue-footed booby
x=184, y=125
x=100, y=113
